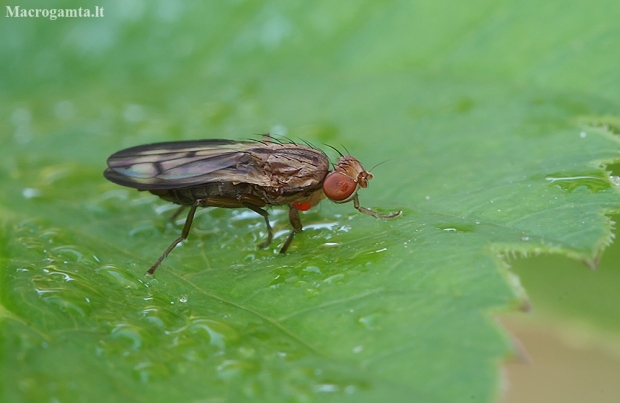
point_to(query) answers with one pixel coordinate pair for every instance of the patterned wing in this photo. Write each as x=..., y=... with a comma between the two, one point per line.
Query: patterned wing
x=182, y=164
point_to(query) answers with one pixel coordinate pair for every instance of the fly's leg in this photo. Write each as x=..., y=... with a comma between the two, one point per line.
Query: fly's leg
x=184, y=233
x=293, y=217
x=356, y=204
x=265, y=215
x=176, y=213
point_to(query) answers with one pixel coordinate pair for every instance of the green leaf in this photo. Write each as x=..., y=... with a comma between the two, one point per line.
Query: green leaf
x=563, y=292
x=496, y=144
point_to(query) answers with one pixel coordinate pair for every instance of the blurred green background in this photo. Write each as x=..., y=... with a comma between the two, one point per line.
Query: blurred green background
x=571, y=337
x=171, y=70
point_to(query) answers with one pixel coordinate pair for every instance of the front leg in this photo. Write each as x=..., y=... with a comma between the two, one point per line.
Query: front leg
x=293, y=217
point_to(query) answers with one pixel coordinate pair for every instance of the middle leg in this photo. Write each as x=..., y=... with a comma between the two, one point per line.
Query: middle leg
x=265, y=215
x=293, y=217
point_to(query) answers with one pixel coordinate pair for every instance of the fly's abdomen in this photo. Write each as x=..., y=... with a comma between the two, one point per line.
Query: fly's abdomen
x=217, y=194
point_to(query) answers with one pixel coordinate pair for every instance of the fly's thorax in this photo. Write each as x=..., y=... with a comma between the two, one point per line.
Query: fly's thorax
x=341, y=184
x=292, y=167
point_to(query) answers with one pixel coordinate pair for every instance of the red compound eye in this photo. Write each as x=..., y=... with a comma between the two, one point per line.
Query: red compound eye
x=338, y=187
x=303, y=206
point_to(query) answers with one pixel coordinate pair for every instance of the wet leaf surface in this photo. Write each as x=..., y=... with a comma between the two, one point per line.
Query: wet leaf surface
x=482, y=165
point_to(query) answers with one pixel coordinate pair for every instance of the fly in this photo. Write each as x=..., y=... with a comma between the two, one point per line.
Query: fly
x=240, y=174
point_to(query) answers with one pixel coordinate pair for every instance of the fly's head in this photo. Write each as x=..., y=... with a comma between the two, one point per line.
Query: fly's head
x=341, y=184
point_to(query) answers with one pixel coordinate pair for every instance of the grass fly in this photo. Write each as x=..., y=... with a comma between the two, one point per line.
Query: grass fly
x=240, y=174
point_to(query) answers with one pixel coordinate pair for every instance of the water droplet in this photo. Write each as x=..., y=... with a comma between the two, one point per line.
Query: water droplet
x=312, y=269
x=129, y=334
x=51, y=174
x=247, y=352
x=594, y=181
x=55, y=298
x=230, y=369
x=148, y=371
x=277, y=280
x=217, y=333
x=274, y=31
x=66, y=277
x=358, y=349
x=328, y=225
x=344, y=228
x=326, y=388
x=170, y=10
x=336, y=278
x=122, y=278
x=67, y=291
x=349, y=389
x=278, y=130
x=21, y=117
x=146, y=230
x=370, y=321
x=64, y=110
x=457, y=228
x=69, y=251
x=250, y=257
x=31, y=193
x=163, y=318
x=311, y=292
x=615, y=180
x=119, y=194
x=134, y=113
